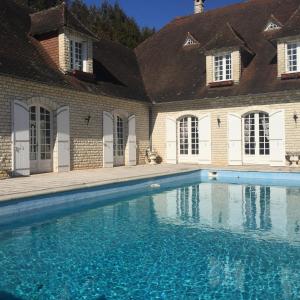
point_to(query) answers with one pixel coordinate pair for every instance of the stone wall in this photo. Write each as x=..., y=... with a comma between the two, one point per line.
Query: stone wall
x=86, y=140
x=219, y=108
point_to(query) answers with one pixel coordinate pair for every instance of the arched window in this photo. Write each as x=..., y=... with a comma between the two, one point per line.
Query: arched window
x=188, y=137
x=256, y=135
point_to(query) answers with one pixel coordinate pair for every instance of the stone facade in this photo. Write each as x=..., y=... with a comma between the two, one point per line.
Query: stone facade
x=219, y=108
x=86, y=140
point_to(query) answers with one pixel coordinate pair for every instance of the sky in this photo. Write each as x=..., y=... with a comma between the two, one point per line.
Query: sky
x=157, y=13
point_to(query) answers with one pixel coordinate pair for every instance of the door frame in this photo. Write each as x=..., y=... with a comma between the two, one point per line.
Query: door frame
x=39, y=165
x=256, y=159
x=187, y=158
x=119, y=160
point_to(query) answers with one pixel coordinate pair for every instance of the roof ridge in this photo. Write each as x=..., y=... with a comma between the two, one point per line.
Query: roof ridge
x=66, y=10
x=292, y=16
x=275, y=19
x=48, y=9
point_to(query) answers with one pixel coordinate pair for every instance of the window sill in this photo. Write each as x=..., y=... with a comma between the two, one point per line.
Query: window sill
x=221, y=83
x=288, y=76
x=84, y=76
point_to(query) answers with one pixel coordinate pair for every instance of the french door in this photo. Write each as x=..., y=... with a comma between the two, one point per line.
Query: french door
x=119, y=142
x=256, y=138
x=188, y=137
x=40, y=140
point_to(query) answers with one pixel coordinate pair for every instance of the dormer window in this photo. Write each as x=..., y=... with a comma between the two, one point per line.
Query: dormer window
x=222, y=67
x=190, y=40
x=293, y=57
x=76, y=55
x=272, y=26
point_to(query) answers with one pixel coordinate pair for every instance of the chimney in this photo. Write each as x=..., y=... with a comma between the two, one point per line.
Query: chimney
x=199, y=6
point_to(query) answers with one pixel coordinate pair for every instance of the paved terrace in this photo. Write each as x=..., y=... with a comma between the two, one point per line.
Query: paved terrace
x=40, y=184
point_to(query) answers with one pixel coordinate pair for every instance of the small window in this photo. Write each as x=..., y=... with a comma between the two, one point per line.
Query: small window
x=272, y=26
x=76, y=55
x=293, y=57
x=223, y=67
x=190, y=40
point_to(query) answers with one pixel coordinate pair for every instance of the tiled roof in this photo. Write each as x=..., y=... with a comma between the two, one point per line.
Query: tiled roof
x=116, y=69
x=54, y=19
x=172, y=73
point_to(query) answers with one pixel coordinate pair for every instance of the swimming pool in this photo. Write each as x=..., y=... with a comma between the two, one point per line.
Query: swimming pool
x=190, y=239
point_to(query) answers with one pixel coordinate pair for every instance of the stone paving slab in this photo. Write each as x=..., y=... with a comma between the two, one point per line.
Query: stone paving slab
x=16, y=188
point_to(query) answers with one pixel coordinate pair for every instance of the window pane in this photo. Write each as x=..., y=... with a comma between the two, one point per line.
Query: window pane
x=292, y=61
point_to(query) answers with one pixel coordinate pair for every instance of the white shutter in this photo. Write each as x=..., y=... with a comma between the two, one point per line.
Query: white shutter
x=277, y=138
x=171, y=148
x=204, y=129
x=131, y=141
x=63, y=138
x=234, y=139
x=20, y=139
x=108, y=140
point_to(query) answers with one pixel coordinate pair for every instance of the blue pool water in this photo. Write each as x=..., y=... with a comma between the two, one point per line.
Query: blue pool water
x=197, y=241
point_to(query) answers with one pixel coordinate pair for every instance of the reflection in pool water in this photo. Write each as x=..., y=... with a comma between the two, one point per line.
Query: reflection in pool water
x=203, y=241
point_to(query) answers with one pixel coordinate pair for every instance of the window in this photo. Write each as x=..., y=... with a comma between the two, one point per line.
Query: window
x=189, y=42
x=293, y=57
x=272, y=26
x=222, y=67
x=76, y=55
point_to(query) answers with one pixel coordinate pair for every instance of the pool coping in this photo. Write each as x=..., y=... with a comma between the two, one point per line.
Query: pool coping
x=11, y=198
x=23, y=196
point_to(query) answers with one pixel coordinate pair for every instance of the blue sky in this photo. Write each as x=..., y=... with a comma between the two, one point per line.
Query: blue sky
x=157, y=13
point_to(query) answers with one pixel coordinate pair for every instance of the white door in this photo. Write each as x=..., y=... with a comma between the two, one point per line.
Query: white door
x=277, y=138
x=108, y=140
x=188, y=140
x=63, y=138
x=234, y=140
x=171, y=142
x=119, y=141
x=20, y=139
x=256, y=148
x=131, y=141
x=40, y=140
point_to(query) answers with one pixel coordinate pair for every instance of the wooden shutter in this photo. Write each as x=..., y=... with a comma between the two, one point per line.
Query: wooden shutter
x=20, y=139
x=63, y=139
x=131, y=141
x=277, y=138
x=204, y=128
x=234, y=139
x=108, y=140
x=171, y=148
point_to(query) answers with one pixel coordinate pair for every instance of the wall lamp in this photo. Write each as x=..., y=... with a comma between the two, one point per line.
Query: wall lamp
x=88, y=119
x=295, y=117
x=219, y=121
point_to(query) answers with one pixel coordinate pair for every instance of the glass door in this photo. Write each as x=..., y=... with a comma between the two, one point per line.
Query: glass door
x=256, y=138
x=188, y=137
x=40, y=140
x=119, y=145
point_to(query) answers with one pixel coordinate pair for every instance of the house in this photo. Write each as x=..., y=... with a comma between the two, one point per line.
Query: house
x=220, y=87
